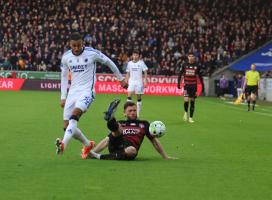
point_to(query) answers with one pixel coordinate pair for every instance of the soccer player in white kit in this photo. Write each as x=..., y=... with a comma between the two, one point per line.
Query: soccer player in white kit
x=135, y=78
x=81, y=61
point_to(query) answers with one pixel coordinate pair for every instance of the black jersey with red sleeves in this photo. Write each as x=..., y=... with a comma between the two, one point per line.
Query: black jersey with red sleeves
x=190, y=72
x=135, y=130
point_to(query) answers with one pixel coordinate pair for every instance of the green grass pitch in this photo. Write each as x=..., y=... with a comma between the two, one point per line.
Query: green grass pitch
x=225, y=155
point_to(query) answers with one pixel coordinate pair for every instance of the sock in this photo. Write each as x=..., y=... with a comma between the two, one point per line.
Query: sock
x=253, y=106
x=129, y=99
x=81, y=137
x=96, y=155
x=69, y=132
x=192, y=108
x=114, y=156
x=186, y=105
x=248, y=104
x=139, y=107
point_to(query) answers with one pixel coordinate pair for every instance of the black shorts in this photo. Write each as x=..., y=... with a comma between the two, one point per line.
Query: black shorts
x=190, y=90
x=251, y=89
x=117, y=143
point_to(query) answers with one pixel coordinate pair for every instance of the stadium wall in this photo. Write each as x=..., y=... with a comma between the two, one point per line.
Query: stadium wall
x=106, y=83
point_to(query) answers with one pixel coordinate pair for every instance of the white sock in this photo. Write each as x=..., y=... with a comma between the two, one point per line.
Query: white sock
x=96, y=155
x=70, y=131
x=81, y=137
x=139, y=106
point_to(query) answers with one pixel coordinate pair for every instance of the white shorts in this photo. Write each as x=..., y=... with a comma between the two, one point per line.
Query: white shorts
x=81, y=101
x=136, y=87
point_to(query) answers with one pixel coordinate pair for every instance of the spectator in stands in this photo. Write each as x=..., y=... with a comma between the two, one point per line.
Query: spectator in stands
x=217, y=32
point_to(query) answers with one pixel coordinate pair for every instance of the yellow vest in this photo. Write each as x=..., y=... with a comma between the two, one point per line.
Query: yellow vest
x=252, y=77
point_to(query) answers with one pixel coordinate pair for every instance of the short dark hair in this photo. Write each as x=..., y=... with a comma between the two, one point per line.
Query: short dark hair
x=128, y=104
x=136, y=51
x=76, y=36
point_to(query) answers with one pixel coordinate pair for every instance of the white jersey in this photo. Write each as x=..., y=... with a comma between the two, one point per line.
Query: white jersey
x=83, y=70
x=136, y=70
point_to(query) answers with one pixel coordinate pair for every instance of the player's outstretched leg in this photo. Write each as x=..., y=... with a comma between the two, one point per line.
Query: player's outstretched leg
x=109, y=114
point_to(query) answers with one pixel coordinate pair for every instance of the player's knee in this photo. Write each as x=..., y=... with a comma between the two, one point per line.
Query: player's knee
x=131, y=152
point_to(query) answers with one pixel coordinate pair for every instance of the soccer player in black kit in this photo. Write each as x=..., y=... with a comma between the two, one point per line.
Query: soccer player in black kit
x=190, y=74
x=126, y=136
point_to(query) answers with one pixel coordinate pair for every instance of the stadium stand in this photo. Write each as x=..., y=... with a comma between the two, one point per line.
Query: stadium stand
x=217, y=32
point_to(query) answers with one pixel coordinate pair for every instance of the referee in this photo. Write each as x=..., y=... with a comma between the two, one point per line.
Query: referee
x=251, y=85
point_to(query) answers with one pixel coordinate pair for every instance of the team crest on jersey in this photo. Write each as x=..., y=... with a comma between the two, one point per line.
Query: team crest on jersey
x=141, y=125
x=86, y=60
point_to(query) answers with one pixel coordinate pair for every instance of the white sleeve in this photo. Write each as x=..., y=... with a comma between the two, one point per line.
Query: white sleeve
x=64, y=79
x=144, y=67
x=102, y=58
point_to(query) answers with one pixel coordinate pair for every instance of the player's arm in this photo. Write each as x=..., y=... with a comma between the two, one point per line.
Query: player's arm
x=64, y=82
x=145, y=74
x=100, y=57
x=157, y=145
x=128, y=73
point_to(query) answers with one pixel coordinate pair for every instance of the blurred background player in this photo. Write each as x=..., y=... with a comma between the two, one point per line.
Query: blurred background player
x=81, y=61
x=189, y=73
x=252, y=83
x=136, y=78
x=126, y=136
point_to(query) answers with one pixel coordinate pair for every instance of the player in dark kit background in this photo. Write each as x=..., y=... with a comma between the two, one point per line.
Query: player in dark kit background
x=190, y=72
x=126, y=136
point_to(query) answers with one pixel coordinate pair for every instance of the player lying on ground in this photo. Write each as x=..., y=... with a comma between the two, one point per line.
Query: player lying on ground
x=126, y=136
x=81, y=61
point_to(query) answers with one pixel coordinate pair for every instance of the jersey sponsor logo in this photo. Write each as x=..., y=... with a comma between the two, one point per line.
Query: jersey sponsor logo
x=131, y=131
x=78, y=68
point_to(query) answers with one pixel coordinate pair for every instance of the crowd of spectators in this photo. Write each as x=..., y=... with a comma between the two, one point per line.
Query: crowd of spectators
x=34, y=34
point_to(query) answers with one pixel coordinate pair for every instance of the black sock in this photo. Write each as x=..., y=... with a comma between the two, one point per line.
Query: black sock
x=192, y=108
x=186, y=105
x=120, y=155
x=248, y=104
x=113, y=125
x=253, y=106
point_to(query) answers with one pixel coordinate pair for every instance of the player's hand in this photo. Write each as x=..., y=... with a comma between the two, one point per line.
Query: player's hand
x=145, y=84
x=62, y=103
x=124, y=84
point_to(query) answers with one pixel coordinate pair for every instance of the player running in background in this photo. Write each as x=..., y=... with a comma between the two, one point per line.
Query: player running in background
x=135, y=79
x=251, y=85
x=81, y=61
x=190, y=74
x=126, y=136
